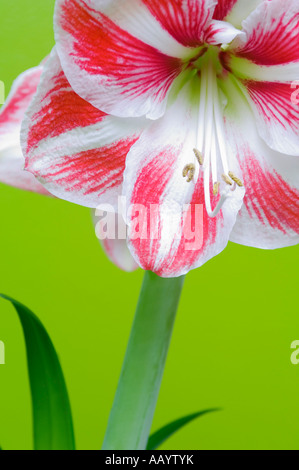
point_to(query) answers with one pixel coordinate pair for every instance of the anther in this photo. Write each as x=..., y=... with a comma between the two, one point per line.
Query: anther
x=189, y=172
x=198, y=155
x=235, y=179
x=227, y=180
x=216, y=188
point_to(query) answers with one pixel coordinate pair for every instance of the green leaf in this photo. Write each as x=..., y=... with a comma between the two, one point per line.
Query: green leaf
x=160, y=436
x=52, y=418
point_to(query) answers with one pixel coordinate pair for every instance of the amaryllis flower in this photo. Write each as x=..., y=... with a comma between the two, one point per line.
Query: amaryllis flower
x=11, y=116
x=173, y=104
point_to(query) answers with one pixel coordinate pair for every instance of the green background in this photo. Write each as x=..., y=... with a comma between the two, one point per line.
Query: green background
x=237, y=318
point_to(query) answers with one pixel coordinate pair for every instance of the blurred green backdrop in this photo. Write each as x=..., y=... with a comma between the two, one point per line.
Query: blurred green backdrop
x=237, y=318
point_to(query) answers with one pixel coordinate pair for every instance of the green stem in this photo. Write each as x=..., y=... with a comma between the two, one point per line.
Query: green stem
x=139, y=384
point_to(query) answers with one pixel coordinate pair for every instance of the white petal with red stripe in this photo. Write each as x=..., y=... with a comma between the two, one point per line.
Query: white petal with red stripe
x=269, y=217
x=186, y=20
x=220, y=32
x=235, y=11
x=267, y=49
x=108, y=65
x=11, y=115
x=169, y=230
x=76, y=151
x=276, y=114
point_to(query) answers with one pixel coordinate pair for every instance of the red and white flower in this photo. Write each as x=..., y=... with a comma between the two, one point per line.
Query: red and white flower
x=11, y=116
x=172, y=103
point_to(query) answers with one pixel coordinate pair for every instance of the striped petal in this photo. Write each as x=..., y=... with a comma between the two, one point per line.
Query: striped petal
x=111, y=230
x=107, y=63
x=76, y=151
x=186, y=20
x=267, y=49
x=223, y=8
x=169, y=231
x=265, y=57
x=271, y=34
x=235, y=11
x=11, y=115
x=220, y=32
x=276, y=114
x=269, y=217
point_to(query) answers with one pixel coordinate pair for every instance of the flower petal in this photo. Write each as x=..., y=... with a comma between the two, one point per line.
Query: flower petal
x=269, y=217
x=11, y=115
x=114, y=244
x=220, y=32
x=266, y=59
x=276, y=113
x=169, y=229
x=185, y=20
x=235, y=11
x=223, y=8
x=76, y=151
x=107, y=65
x=268, y=47
x=271, y=34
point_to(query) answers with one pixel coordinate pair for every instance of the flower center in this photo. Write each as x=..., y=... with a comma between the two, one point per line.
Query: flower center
x=210, y=148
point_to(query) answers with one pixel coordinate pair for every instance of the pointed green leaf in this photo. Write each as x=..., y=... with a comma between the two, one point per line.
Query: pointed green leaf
x=160, y=436
x=52, y=419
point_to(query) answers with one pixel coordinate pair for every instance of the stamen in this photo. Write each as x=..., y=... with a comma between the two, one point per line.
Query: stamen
x=216, y=188
x=227, y=180
x=236, y=179
x=189, y=171
x=198, y=155
x=211, y=148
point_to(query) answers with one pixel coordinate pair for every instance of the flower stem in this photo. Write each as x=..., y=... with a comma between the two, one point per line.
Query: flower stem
x=139, y=384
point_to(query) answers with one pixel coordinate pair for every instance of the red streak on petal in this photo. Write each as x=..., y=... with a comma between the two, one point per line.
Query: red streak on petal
x=268, y=196
x=102, y=48
x=223, y=8
x=90, y=172
x=13, y=112
x=184, y=258
x=61, y=110
x=274, y=45
x=273, y=100
x=149, y=190
x=185, y=20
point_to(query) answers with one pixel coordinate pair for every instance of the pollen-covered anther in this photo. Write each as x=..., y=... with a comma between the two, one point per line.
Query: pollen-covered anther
x=199, y=156
x=216, y=188
x=227, y=180
x=189, y=172
x=236, y=179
